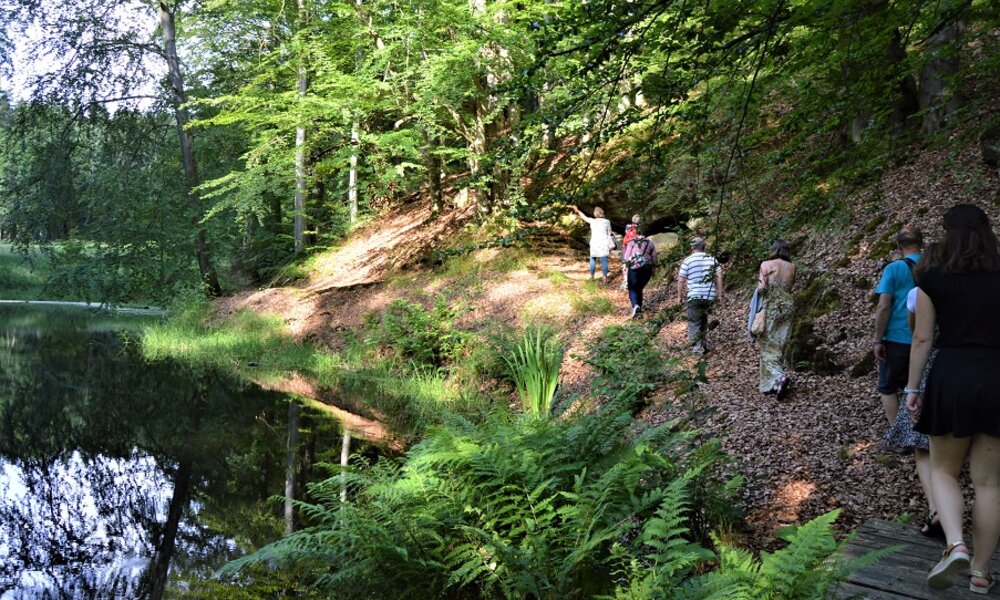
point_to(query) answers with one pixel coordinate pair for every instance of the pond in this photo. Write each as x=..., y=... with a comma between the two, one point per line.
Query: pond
x=122, y=478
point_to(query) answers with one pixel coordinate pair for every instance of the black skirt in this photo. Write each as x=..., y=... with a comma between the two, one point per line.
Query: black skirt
x=962, y=395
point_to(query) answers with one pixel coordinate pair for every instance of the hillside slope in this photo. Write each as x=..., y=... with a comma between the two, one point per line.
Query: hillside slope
x=817, y=450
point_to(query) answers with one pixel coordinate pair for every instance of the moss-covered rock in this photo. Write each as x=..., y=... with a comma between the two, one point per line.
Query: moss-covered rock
x=807, y=350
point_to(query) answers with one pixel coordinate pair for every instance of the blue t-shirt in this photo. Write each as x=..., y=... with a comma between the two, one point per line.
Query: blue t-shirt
x=897, y=280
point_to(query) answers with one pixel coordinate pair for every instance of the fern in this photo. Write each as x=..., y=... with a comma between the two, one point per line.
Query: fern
x=544, y=508
x=803, y=570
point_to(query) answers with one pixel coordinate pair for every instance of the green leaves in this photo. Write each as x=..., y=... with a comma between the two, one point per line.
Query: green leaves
x=551, y=508
x=534, y=367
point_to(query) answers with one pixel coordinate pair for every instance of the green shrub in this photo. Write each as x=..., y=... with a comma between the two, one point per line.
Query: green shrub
x=627, y=362
x=414, y=333
x=512, y=508
x=534, y=367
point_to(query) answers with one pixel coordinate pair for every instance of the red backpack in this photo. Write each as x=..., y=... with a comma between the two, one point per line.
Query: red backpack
x=631, y=231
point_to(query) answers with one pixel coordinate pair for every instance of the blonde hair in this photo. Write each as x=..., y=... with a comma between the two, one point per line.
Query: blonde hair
x=598, y=212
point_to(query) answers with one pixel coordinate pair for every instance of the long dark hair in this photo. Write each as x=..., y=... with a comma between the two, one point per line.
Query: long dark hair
x=930, y=257
x=969, y=242
x=780, y=249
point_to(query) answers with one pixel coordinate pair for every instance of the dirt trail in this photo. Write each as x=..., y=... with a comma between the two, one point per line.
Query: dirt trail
x=820, y=448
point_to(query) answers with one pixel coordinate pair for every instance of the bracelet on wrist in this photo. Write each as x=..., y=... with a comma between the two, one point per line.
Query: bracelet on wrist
x=917, y=391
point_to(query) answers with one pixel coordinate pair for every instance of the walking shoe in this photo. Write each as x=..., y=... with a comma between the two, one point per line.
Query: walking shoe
x=981, y=589
x=784, y=386
x=952, y=563
x=635, y=311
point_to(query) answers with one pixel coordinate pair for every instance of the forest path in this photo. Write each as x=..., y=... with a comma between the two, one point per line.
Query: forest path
x=820, y=448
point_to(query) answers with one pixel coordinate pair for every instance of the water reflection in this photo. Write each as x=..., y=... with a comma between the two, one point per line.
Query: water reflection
x=121, y=478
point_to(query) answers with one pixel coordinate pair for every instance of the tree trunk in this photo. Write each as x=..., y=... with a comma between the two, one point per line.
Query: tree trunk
x=345, y=455
x=299, y=219
x=291, y=465
x=160, y=566
x=434, y=171
x=352, y=177
x=937, y=94
x=178, y=98
x=904, y=103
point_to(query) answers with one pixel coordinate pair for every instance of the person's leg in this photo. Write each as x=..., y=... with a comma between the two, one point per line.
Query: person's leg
x=892, y=373
x=947, y=457
x=706, y=309
x=641, y=279
x=693, y=322
x=633, y=294
x=923, y=460
x=984, y=469
x=890, y=404
x=604, y=266
x=593, y=266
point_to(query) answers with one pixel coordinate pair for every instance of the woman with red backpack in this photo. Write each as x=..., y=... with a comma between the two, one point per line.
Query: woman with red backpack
x=631, y=230
x=639, y=258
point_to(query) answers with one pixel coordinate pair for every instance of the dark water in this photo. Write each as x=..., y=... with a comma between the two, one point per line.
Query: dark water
x=121, y=478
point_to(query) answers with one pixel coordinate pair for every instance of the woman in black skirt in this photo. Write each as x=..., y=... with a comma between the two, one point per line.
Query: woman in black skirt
x=960, y=407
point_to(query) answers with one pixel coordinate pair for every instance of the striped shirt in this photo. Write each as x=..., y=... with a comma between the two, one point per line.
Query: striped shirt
x=700, y=270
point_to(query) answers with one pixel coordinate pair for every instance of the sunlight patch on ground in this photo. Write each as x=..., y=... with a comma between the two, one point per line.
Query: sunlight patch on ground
x=789, y=498
x=862, y=446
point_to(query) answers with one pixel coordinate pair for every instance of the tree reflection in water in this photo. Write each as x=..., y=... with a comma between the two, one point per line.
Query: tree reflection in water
x=115, y=472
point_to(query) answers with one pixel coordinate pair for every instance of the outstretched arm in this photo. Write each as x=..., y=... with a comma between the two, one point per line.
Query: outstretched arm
x=580, y=214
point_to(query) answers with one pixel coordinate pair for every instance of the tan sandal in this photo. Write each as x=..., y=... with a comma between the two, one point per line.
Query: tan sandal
x=981, y=589
x=952, y=563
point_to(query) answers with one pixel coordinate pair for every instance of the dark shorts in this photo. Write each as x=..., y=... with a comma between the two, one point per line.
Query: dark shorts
x=895, y=369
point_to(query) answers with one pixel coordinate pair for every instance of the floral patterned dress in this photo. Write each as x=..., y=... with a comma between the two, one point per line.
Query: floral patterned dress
x=778, y=309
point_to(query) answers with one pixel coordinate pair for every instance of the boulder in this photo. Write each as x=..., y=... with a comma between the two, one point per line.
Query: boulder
x=665, y=242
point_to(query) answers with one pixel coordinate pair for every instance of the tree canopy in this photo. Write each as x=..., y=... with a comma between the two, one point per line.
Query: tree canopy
x=160, y=142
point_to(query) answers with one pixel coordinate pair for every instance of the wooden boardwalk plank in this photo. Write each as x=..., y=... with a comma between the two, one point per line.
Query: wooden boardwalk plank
x=902, y=574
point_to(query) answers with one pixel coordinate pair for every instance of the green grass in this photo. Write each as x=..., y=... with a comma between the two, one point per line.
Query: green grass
x=260, y=348
x=240, y=342
x=557, y=278
x=22, y=277
x=591, y=305
x=512, y=259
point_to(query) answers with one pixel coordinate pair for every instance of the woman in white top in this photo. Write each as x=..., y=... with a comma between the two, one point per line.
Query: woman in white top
x=601, y=239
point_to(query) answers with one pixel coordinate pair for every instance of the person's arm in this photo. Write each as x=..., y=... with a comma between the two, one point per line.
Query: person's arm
x=923, y=338
x=882, y=312
x=580, y=214
x=681, y=288
x=718, y=282
x=761, y=279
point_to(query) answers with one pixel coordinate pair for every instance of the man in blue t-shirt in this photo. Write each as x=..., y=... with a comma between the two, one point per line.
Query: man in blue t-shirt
x=892, y=330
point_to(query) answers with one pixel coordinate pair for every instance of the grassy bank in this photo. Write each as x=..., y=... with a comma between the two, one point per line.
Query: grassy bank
x=22, y=276
x=386, y=372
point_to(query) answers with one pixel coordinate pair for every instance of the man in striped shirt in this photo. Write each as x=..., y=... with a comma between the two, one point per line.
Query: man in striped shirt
x=700, y=284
